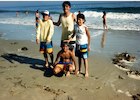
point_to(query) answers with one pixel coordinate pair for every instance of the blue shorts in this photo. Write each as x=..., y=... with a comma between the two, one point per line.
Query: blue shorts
x=65, y=63
x=81, y=51
x=46, y=47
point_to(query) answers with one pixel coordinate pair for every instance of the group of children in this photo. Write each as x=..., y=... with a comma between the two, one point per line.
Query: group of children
x=75, y=41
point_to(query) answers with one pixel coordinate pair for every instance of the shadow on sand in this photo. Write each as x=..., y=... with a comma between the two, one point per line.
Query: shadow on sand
x=33, y=63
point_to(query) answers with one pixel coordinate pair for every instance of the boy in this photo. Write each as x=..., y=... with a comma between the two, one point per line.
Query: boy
x=82, y=43
x=66, y=59
x=45, y=31
x=67, y=19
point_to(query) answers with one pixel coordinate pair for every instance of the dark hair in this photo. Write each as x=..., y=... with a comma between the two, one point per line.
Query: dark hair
x=37, y=11
x=65, y=43
x=104, y=12
x=66, y=3
x=37, y=18
x=81, y=16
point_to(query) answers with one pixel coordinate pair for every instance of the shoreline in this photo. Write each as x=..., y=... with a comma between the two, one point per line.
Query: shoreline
x=23, y=77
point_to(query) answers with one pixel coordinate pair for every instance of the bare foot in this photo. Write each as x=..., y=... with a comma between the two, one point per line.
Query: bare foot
x=68, y=74
x=76, y=72
x=86, y=75
x=47, y=65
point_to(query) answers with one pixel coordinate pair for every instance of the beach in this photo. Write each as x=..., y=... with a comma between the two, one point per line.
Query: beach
x=24, y=78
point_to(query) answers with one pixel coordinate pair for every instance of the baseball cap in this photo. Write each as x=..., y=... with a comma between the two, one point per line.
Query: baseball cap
x=46, y=12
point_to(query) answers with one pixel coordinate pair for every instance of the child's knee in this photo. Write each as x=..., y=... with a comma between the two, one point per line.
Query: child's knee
x=56, y=70
x=71, y=68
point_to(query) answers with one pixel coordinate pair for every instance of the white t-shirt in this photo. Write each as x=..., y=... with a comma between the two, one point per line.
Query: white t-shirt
x=81, y=36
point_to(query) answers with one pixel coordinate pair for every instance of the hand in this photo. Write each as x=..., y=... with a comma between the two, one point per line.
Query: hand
x=48, y=41
x=66, y=41
x=88, y=48
x=37, y=41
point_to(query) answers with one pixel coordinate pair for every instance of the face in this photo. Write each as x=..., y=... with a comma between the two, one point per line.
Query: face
x=65, y=48
x=66, y=8
x=45, y=17
x=80, y=21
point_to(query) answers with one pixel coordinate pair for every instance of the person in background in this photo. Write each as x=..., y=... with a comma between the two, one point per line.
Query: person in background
x=104, y=20
x=45, y=31
x=17, y=13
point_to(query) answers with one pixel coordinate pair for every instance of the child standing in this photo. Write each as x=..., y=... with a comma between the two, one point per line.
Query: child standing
x=82, y=43
x=67, y=20
x=45, y=31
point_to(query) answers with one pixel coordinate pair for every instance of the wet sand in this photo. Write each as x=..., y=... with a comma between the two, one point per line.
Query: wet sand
x=24, y=78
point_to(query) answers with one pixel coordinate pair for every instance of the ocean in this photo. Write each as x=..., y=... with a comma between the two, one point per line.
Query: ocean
x=123, y=20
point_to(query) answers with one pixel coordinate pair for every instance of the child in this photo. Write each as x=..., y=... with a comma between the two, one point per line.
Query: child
x=66, y=59
x=82, y=43
x=67, y=19
x=104, y=20
x=45, y=31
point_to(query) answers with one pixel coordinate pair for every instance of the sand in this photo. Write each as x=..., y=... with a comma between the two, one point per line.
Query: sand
x=24, y=78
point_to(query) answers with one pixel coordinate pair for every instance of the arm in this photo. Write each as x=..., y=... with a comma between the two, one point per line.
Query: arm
x=57, y=58
x=74, y=17
x=38, y=33
x=51, y=31
x=74, y=61
x=70, y=39
x=59, y=21
x=88, y=35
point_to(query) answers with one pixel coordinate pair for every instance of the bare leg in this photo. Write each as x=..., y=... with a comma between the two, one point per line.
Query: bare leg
x=69, y=70
x=80, y=63
x=86, y=67
x=52, y=57
x=73, y=62
x=46, y=59
x=68, y=74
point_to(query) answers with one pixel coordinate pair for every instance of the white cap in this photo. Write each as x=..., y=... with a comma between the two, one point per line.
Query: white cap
x=46, y=12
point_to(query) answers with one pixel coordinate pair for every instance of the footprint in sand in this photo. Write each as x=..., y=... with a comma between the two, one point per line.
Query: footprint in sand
x=56, y=92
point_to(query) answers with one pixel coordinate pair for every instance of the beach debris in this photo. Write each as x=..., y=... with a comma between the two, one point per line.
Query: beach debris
x=134, y=74
x=127, y=93
x=124, y=68
x=124, y=61
x=13, y=43
x=120, y=77
x=123, y=57
x=24, y=48
x=136, y=97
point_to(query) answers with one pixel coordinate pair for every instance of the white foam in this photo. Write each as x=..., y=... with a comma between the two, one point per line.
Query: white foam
x=112, y=15
x=115, y=21
x=121, y=68
x=98, y=33
x=133, y=76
